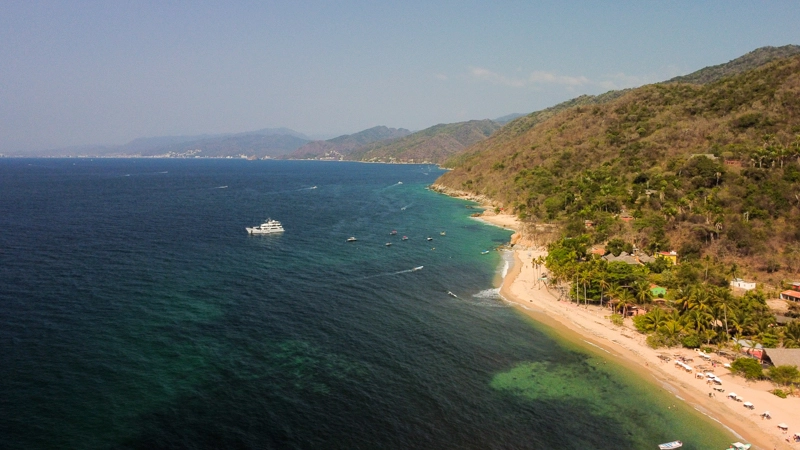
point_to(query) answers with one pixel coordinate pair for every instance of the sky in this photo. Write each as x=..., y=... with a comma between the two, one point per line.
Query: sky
x=83, y=72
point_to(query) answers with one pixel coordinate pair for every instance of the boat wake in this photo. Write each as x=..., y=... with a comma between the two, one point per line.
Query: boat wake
x=388, y=274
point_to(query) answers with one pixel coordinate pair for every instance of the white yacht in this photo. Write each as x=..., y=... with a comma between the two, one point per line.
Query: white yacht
x=270, y=226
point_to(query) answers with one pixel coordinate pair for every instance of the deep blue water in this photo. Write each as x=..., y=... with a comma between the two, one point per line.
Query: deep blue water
x=136, y=312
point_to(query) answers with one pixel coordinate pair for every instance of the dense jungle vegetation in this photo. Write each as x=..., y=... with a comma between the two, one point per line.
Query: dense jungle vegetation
x=710, y=171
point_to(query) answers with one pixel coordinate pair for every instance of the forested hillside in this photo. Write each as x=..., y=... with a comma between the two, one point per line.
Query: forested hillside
x=706, y=170
x=434, y=144
x=342, y=146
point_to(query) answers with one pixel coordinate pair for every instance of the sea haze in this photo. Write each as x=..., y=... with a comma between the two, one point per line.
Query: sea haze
x=138, y=313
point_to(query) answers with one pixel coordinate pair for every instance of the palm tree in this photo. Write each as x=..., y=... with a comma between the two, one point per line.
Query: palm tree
x=671, y=329
x=602, y=281
x=791, y=334
x=625, y=300
x=723, y=299
x=642, y=290
x=654, y=319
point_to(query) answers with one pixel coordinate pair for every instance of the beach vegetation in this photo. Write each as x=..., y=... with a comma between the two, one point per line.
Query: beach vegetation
x=747, y=367
x=779, y=393
x=691, y=341
x=784, y=375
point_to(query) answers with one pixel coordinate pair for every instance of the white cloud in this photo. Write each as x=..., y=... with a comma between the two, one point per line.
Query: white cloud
x=493, y=77
x=540, y=78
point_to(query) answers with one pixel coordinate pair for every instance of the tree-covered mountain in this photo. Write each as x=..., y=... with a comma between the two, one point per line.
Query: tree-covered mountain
x=749, y=61
x=342, y=146
x=704, y=169
x=432, y=145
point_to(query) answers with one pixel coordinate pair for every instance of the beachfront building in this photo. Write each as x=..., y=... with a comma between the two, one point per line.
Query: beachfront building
x=741, y=284
x=790, y=295
x=751, y=348
x=783, y=356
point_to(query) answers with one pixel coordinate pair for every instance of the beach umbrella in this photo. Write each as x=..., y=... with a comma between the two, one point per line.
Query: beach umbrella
x=732, y=395
x=783, y=426
x=747, y=404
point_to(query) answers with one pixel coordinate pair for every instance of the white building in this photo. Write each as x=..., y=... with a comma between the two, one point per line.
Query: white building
x=741, y=284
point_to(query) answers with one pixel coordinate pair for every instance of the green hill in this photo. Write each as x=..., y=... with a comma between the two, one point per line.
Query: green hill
x=342, y=146
x=752, y=60
x=638, y=153
x=433, y=145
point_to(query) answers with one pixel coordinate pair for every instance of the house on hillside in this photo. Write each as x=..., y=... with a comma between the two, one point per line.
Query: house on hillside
x=623, y=257
x=796, y=285
x=710, y=156
x=741, y=284
x=598, y=250
x=658, y=291
x=672, y=256
x=790, y=295
x=588, y=224
x=625, y=217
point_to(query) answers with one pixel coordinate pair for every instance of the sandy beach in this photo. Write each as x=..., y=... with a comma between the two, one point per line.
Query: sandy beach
x=627, y=346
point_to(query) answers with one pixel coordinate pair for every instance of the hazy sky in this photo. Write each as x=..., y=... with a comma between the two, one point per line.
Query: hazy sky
x=81, y=72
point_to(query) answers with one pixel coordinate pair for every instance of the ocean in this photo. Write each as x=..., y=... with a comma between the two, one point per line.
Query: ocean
x=136, y=312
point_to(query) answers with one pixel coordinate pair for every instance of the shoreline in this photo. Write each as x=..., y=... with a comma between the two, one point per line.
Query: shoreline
x=626, y=346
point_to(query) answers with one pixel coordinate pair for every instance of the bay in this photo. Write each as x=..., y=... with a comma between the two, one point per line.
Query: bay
x=138, y=313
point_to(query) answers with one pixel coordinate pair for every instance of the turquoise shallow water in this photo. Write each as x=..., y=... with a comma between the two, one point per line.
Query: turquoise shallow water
x=137, y=313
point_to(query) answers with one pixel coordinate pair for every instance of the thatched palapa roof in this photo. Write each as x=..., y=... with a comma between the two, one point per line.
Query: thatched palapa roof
x=784, y=356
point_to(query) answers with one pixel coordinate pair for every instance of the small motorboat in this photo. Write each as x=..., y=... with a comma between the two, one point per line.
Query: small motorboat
x=443, y=233
x=739, y=446
x=484, y=252
x=451, y=294
x=351, y=239
x=405, y=238
x=388, y=244
x=430, y=238
x=394, y=232
x=670, y=445
x=417, y=268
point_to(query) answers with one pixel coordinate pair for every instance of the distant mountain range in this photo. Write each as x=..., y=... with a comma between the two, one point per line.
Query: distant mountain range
x=340, y=147
x=448, y=144
x=267, y=142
